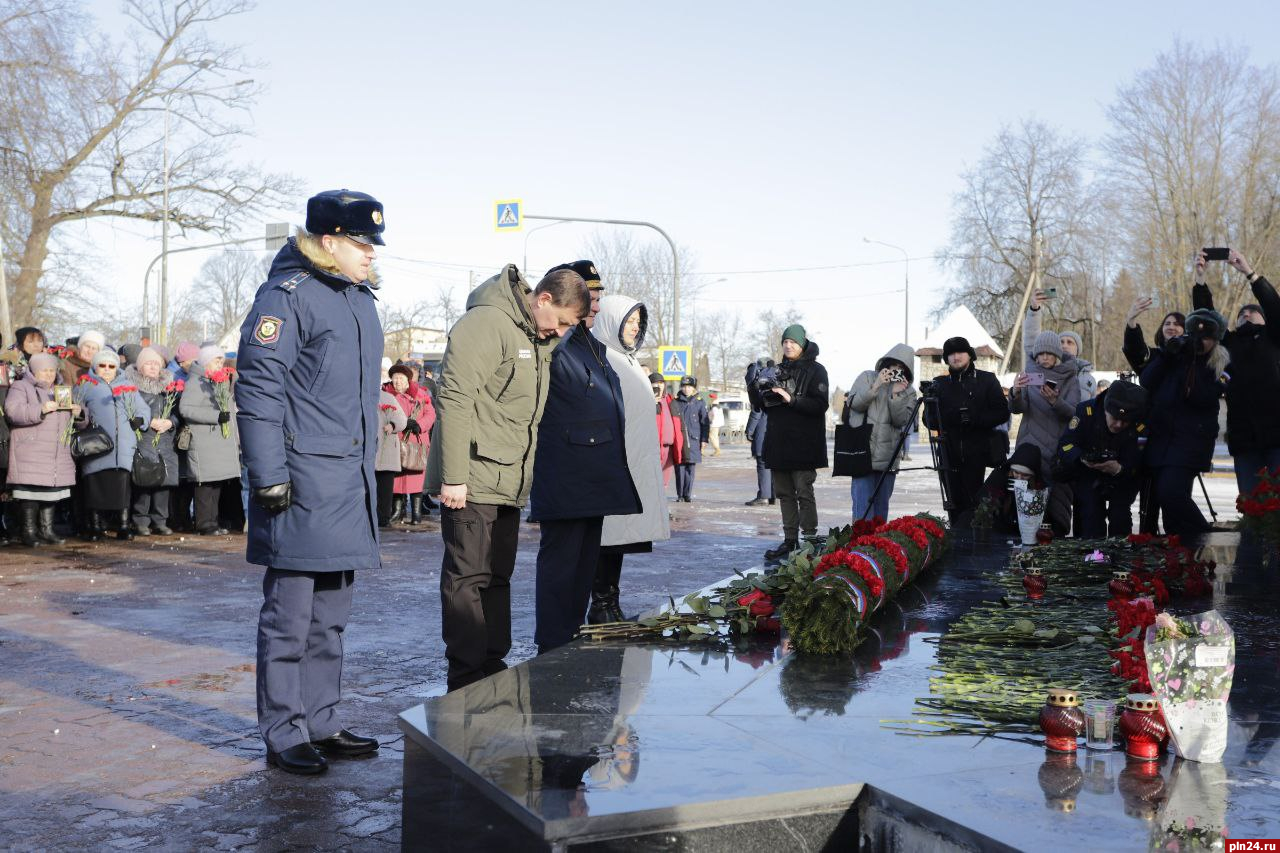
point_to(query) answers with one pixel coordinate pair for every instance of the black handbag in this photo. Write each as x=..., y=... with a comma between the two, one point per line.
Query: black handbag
x=90, y=442
x=148, y=471
x=853, y=448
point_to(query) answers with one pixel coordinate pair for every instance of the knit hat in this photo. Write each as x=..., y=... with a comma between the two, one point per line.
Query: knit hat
x=1074, y=337
x=42, y=361
x=150, y=354
x=209, y=352
x=955, y=345
x=106, y=355
x=1252, y=306
x=1025, y=459
x=129, y=353
x=1047, y=342
x=1125, y=401
x=162, y=351
x=1206, y=322
x=186, y=351
x=795, y=332
x=92, y=336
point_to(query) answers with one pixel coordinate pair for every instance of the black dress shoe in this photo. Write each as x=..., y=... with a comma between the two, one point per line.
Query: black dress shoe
x=301, y=759
x=756, y=502
x=345, y=744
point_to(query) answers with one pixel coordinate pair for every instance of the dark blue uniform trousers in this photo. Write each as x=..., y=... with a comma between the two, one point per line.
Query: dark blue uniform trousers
x=567, y=556
x=300, y=655
x=684, y=479
x=1105, y=505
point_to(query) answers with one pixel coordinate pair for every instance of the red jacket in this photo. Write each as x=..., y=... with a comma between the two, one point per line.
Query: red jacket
x=669, y=433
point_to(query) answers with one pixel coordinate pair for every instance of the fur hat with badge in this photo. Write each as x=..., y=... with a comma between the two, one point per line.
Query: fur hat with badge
x=586, y=269
x=1207, y=323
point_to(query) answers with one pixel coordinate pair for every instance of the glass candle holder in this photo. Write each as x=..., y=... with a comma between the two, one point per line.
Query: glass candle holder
x=1099, y=724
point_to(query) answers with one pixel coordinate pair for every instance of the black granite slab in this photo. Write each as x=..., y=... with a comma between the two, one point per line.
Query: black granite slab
x=595, y=742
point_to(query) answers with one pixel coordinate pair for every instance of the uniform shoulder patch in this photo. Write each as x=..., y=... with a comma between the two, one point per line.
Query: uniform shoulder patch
x=1075, y=422
x=294, y=280
x=266, y=330
x=1067, y=447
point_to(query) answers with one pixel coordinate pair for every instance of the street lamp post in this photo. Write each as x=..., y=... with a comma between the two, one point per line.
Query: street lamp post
x=525, y=263
x=906, y=287
x=675, y=260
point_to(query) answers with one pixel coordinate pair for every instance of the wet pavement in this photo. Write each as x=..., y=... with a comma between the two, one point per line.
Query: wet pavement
x=126, y=676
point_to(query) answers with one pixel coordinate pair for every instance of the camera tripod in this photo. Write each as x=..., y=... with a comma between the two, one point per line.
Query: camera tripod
x=937, y=450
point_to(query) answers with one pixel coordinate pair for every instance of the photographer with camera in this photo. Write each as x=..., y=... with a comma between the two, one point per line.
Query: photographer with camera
x=883, y=398
x=970, y=406
x=1045, y=393
x=1099, y=454
x=795, y=445
x=1185, y=380
x=1253, y=397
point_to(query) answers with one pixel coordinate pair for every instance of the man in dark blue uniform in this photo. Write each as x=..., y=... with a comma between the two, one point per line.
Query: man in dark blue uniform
x=307, y=392
x=1100, y=453
x=580, y=473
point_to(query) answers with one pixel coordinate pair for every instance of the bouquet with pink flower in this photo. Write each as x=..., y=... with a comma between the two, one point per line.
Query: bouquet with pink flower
x=1190, y=661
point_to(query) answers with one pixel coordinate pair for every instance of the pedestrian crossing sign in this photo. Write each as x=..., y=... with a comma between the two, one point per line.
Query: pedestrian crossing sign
x=507, y=215
x=673, y=362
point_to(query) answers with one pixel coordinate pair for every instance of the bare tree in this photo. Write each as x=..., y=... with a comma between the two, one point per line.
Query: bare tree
x=82, y=118
x=769, y=328
x=728, y=346
x=1027, y=195
x=643, y=270
x=222, y=292
x=1192, y=160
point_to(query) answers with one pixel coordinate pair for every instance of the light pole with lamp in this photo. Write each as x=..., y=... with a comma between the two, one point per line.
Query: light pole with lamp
x=906, y=287
x=525, y=262
x=163, y=331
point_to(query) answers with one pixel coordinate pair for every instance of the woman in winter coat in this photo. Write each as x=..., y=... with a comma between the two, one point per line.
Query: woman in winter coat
x=1185, y=387
x=1046, y=409
x=213, y=457
x=1135, y=349
x=386, y=464
x=1069, y=342
x=114, y=404
x=157, y=386
x=621, y=326
x=420, y=417
x=885, y=399
x=41, y=470
x=668, y=428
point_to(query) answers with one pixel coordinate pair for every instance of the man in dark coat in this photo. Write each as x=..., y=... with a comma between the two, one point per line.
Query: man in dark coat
x=1253, y=397
x=970, y=406
x=307, y=396
x=579, y=474
x=1100, y=454
x=795, y=445
x=696, y=425
x=757, y=428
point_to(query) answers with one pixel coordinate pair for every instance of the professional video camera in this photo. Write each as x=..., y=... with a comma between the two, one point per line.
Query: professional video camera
x=770, y=378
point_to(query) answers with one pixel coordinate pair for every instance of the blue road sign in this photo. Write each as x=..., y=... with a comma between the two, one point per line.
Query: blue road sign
x=673, y=362
x=507, y=215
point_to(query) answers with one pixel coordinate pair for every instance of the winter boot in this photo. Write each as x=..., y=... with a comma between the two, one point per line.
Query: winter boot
x=415, y=508
x=397, y=509
x=124, y=530
x=775, y=556
x=27, y=524
x=614, y=606
x=91, y=526
x=45, y=532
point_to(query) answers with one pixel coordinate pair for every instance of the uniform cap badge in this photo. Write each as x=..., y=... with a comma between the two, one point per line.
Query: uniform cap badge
x=376, y=216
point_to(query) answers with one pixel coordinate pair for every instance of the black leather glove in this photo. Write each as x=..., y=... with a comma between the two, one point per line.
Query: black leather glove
x=274, y=499
x=136, y=423
x=412, y=428
x=224, y=417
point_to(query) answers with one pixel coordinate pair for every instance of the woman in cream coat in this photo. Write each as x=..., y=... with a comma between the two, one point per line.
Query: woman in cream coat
x=620, y=326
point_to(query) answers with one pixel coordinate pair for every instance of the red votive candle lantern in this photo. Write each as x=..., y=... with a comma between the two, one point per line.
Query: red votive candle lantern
x=1143, y=727
x=1034, y=582
x=1061, y=720
x=1044, y=535
x=1121, y=586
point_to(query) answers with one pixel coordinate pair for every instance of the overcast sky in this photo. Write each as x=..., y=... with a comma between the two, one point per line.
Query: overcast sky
x=763, y=136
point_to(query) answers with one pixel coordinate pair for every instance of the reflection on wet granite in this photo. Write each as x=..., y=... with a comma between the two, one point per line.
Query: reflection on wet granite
x=599, y=741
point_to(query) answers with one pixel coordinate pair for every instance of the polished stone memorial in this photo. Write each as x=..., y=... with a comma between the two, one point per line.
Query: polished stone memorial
x=667, y=746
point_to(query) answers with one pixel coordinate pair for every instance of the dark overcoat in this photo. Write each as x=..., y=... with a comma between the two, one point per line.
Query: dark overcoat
x=796, y=439
x=1183, y=415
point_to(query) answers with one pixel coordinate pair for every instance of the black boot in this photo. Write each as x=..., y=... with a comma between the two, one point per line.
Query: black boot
x=45, y=532
x=397, y=509
x=27, y=524
x=604, y=604
x=91, y=526
x=124, y=530
x=427, y=503
x=777, y=555
x=598, y=613
x=415, y=508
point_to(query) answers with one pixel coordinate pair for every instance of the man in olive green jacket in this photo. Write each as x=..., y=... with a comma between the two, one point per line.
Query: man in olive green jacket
x=492, y=390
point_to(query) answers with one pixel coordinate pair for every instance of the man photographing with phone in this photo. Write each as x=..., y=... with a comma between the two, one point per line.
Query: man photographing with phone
x=1253, y=395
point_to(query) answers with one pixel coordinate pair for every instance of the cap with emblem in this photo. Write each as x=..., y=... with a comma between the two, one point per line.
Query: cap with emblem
x=347, y=213
x=586, y=269
x=689, y=380
x=1125, y=401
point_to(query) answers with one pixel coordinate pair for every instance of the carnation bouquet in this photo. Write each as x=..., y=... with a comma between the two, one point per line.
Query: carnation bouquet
x=221, y=380
x=1190, y=662
x=172, y=392
x=1260, y=509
